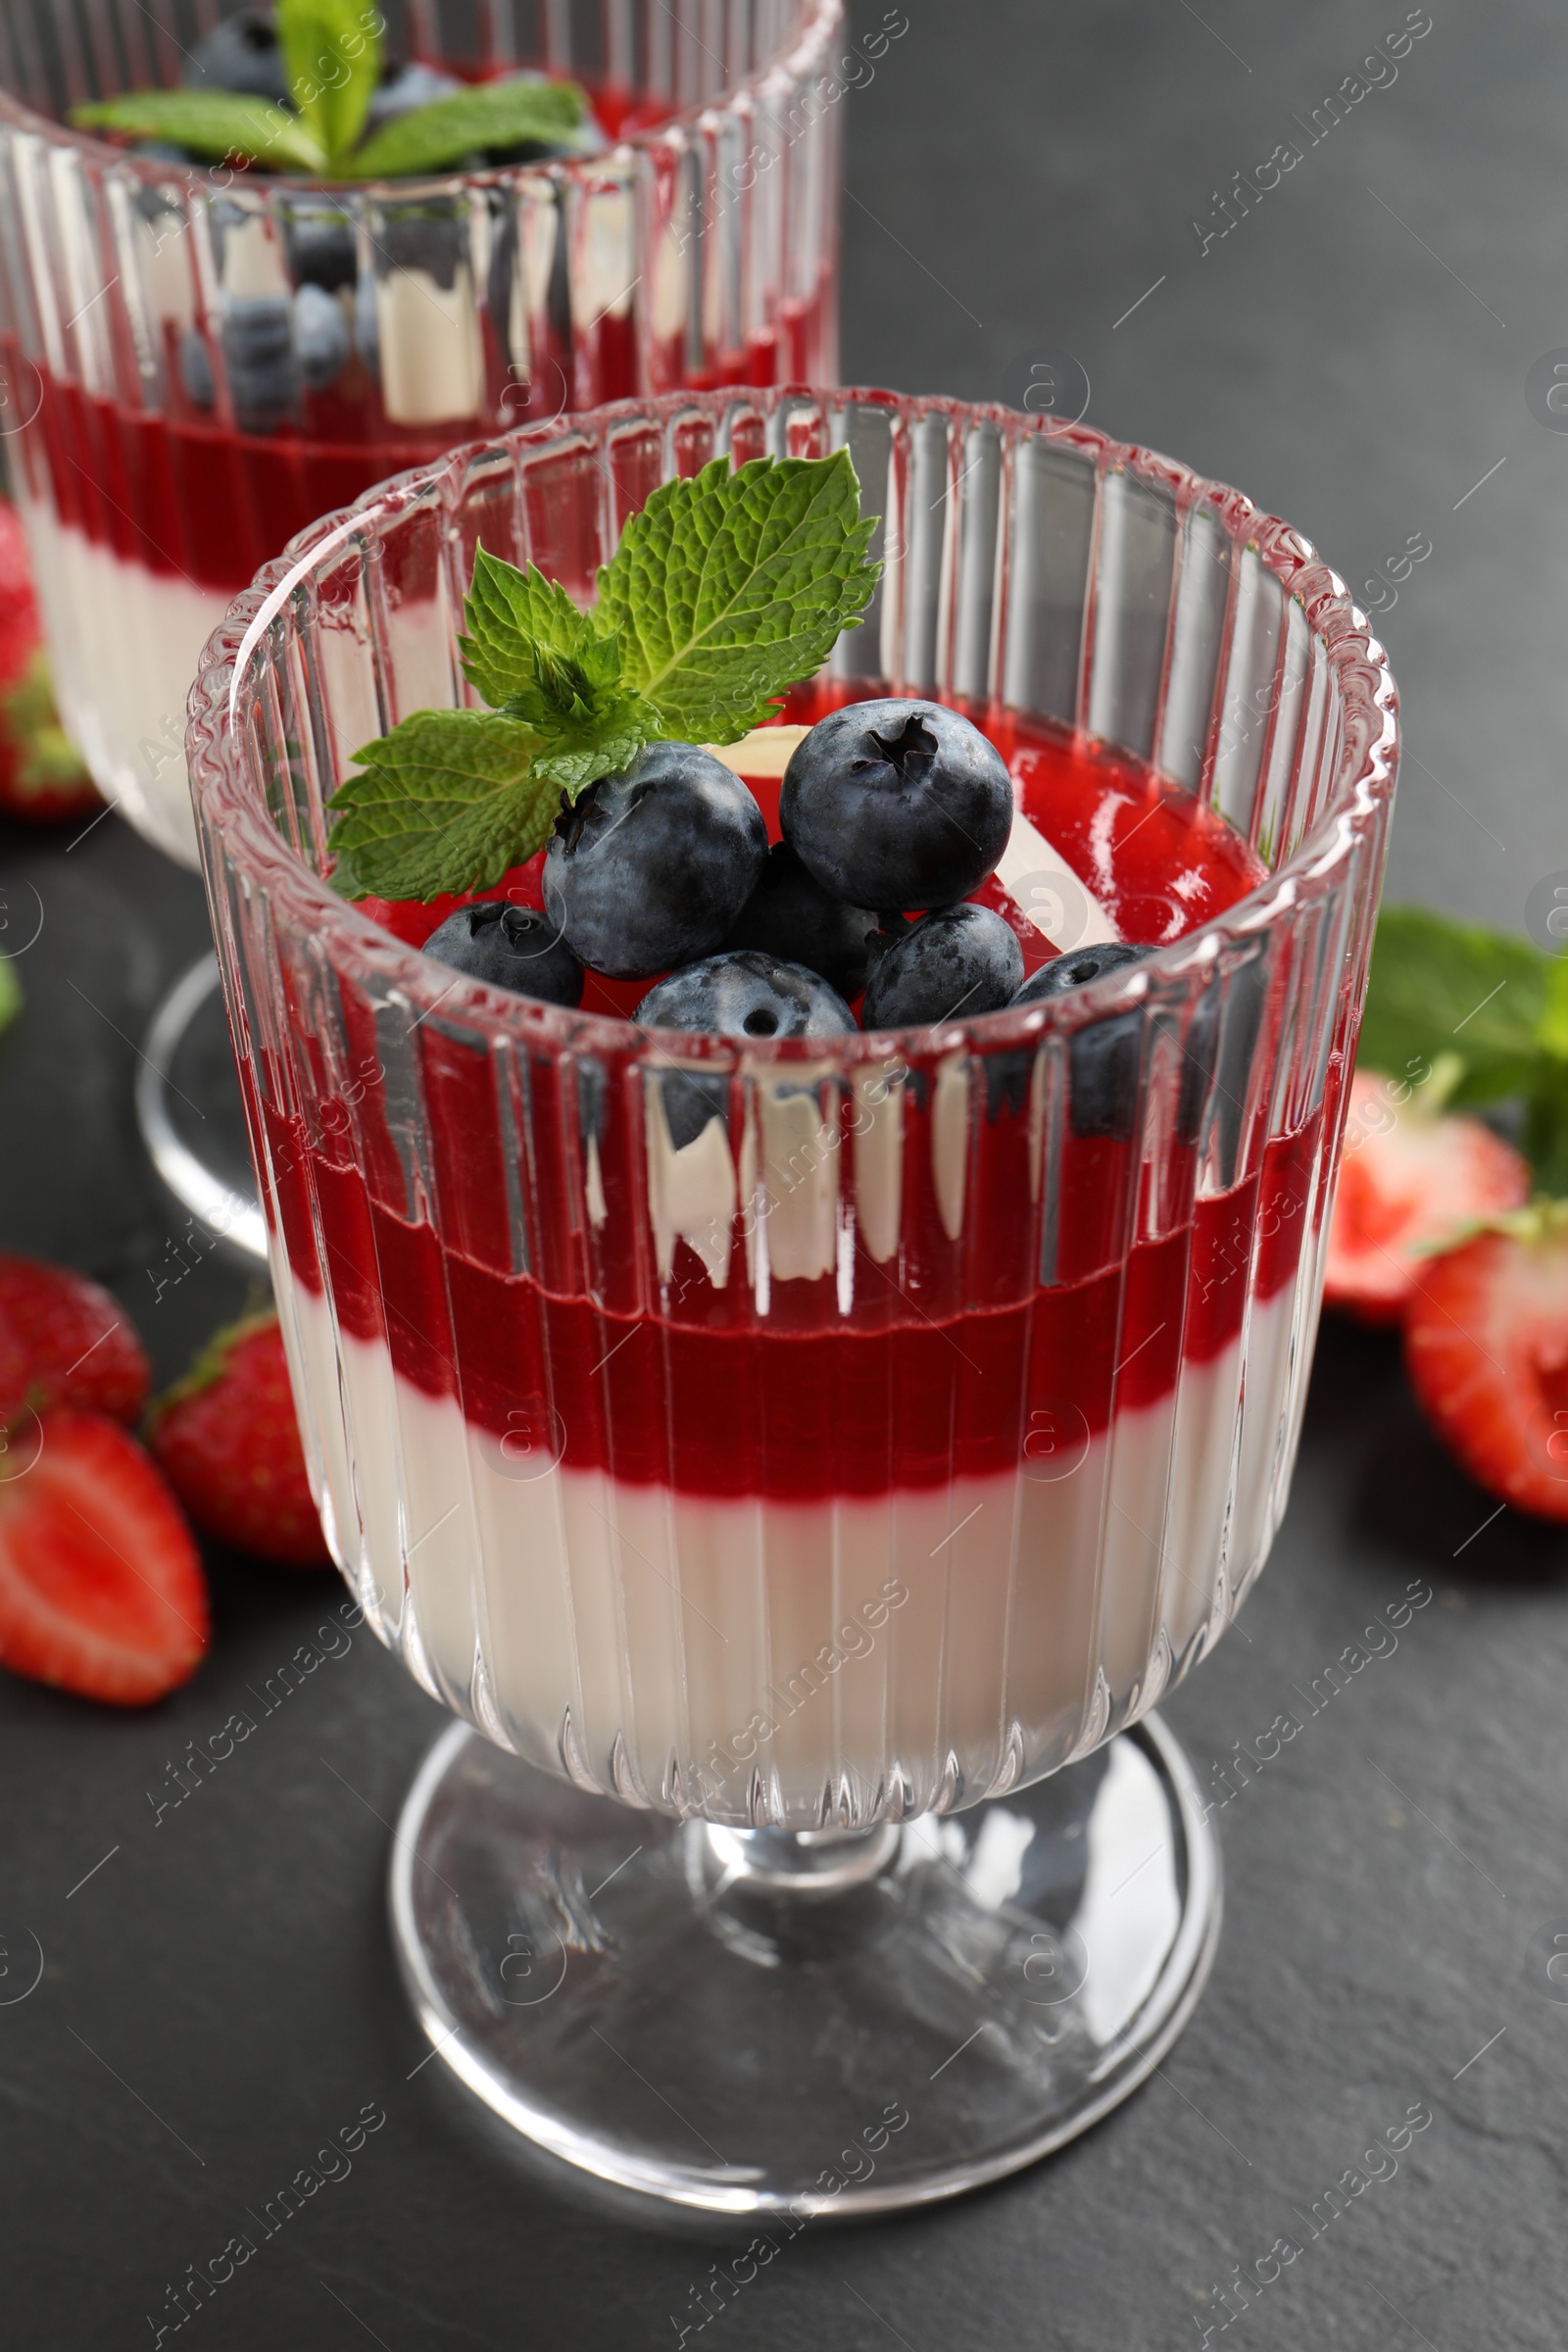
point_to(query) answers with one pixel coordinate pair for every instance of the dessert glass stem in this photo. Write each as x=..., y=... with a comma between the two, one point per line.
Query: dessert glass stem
x=803, y=1862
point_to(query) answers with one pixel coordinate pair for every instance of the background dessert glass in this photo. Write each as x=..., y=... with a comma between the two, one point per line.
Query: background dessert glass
x=886, y=1446
x=196, y=364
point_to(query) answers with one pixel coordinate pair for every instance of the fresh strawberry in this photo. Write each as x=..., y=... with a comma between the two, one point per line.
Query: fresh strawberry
x=1412, y=1178
x=41, y=774
x=63, y=1341
x=230, y=1442
x=1486, y=1344
x=101, y=1588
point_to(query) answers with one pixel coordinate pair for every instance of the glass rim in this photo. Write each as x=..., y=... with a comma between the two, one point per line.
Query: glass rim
x=153, y=172
x=228, y=798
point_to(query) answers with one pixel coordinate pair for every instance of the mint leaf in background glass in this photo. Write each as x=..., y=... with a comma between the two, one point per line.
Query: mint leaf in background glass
x=728, y=588
x=493, y=115
x=447, y=803
x=333, y=54
x=1440, y=986
x=211, y=124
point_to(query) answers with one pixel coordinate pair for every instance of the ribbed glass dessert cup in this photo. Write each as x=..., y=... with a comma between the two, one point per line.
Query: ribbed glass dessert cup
x=196, y=363
x=835, y=1475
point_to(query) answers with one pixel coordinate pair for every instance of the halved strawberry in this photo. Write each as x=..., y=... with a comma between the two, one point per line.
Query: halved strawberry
x=65, y=1340
x=1486, y=1344
x=101, y=1588
x=1411, y=1178
x=228, y=1441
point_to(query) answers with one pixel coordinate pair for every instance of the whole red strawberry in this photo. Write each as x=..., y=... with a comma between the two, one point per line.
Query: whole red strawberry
x=63, y=1341
x=43, y=778
x=1485, y=1343
x=228, y=1440
x=101, y=1588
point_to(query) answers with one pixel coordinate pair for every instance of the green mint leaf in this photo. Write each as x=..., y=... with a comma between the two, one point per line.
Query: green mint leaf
x=332, y=56
x=448, y=802
x=212, y=124
x=512, y=615
x=1441, y=986
x=537, y=658
x=729, y=587
x=493, y=115
x=9, y=991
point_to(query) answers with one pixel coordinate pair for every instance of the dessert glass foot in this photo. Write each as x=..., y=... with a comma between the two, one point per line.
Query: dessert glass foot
x=189, y=1112
x=798, y=2023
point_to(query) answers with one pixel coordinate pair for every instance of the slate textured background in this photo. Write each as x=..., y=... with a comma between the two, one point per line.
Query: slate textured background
x=219, y=1995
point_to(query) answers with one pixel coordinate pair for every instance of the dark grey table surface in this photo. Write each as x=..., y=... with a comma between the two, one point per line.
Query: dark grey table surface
x=219, y=1995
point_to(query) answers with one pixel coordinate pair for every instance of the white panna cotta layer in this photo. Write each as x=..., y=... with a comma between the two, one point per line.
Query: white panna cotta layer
x=125, y=642
x=750, y=1657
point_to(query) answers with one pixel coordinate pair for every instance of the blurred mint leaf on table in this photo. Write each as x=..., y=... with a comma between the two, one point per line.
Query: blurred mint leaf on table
x=725, y=590
x=1444, y=988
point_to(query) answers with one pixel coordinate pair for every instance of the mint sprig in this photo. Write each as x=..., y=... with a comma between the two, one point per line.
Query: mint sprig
x=332, y=57
x=725, y=590
x=1440, y=987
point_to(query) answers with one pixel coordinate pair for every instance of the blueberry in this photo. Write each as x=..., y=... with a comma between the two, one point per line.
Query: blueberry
x=953, y=963
x=791, y=915
x=742, y=994
x=259, y=357
x=402, y=88
x=196, y=369
x=322, y=247
x=748, y=995
x=897, y=805
x=509, y=946
x=320, y=336
x=243, y=53
x=1104, y=1059
x=1076, y=969
x=651, y=867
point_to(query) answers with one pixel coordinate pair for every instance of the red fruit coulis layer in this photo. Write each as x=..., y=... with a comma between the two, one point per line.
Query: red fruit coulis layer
x=955, y=1358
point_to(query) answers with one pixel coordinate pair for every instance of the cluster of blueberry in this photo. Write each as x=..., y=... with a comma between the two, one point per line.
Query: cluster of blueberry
x=888, y=808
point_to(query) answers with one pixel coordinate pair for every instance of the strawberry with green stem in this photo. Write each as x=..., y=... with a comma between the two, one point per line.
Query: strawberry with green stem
x=1485, y=1306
